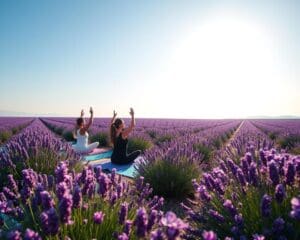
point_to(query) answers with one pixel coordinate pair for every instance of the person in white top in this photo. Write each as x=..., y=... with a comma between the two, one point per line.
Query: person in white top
x=81, y=134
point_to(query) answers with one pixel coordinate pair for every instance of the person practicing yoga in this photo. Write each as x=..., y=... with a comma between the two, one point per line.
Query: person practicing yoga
x=118, y=138
x=81, y=134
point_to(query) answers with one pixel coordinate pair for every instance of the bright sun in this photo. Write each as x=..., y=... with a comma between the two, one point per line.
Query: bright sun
x=226, y=61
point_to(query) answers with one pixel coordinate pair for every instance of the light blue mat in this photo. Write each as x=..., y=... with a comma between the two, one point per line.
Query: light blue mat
x=98, y=156
x=127, y=170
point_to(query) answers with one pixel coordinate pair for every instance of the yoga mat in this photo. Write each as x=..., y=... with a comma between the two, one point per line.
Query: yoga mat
x=99, y=150
x=98, y=156
x=127, y=170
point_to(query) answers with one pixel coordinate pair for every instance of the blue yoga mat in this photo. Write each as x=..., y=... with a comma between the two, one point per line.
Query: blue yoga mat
x=127, y=170
x=98, y=156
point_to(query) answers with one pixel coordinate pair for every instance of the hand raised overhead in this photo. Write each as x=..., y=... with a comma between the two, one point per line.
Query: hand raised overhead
x=131, y=112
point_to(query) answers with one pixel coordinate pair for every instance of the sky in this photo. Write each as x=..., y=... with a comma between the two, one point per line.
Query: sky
x=168, y=59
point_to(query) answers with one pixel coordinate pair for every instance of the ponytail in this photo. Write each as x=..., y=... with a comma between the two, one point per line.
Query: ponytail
x=113, y=132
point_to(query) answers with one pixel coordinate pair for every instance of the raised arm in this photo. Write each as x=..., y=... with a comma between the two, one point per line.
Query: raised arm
x=82, y=113
x=86, y=127
x=128, y=130
x=113, y=118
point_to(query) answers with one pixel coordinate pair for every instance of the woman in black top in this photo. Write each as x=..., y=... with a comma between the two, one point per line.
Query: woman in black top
x=118, y=137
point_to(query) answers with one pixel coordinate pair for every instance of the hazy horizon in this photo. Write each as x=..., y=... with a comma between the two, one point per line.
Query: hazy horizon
x=166, y=59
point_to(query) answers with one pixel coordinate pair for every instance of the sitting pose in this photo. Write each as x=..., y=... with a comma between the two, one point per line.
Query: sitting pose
x=118, y=137
x=82, y=135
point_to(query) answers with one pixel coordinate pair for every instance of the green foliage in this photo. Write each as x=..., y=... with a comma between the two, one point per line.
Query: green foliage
x=102, y=138
x=152, y=133
x=137, y=143
x=162, y=139
x=217, y=143
x=289, y=142
x=295, y=150
x=4, y=136
x=273, y=135
x=58, y=130
x=206, y=151
x=45, y=161
x=171, y=180
x=68, y=135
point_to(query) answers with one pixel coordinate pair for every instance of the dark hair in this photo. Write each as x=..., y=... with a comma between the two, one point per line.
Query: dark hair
x=113, y=130
x=79, y=121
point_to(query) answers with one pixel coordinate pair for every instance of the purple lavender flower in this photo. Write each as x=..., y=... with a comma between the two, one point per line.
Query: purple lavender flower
x=141, y=222
x=209, y=235
x=60, y=172
x=50, y=222
x=258, y=237
x=219, y=186
x=278, y=225
x=123, y=212
x=31, y=235
x=253, y=175
x=140, y=183
x=77, y=197
x=241, y=177
x=266, y=205
x=47, y=201
x=119, y=190
x=280, y=193
x=229, y=206
x=25, y=194
x=204, y=195
x=113, y=198
x=65, y=208
x=104, y=183
x=128, y=226
x=157, y=235
x=9, y=194
x=152, y=219
x=12, y=183
x=98, y=217
x=238, y=218
x=174, y=225
x=290, y=174
x=295, y=213
x=61, y=190
x=216, y=215
x=14, y=235
x=273, y=173
x=123, y=236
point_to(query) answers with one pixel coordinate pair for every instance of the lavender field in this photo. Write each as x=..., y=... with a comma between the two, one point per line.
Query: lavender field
x=199, y=179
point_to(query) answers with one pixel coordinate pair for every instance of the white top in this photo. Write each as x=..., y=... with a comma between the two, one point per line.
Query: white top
x=82, y=140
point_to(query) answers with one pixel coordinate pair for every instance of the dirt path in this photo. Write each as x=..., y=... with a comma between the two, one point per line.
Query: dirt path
x=227, y=144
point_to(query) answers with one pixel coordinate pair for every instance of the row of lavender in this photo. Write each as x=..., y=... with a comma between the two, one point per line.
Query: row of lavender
x=286, y=133
x=148, y=132
x=189, y=145
x=11, y=125
x=248, y=138
x=239, y=199
x=252, y=193
x=35, y=147
x=39, y=204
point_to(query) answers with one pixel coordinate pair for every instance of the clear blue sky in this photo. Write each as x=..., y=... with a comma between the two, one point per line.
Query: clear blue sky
x=165, y=58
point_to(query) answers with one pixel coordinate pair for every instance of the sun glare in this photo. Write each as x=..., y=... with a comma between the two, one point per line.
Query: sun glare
x=226, y=65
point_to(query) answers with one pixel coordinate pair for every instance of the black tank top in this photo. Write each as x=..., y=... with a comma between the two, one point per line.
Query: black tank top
x=120, y=147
